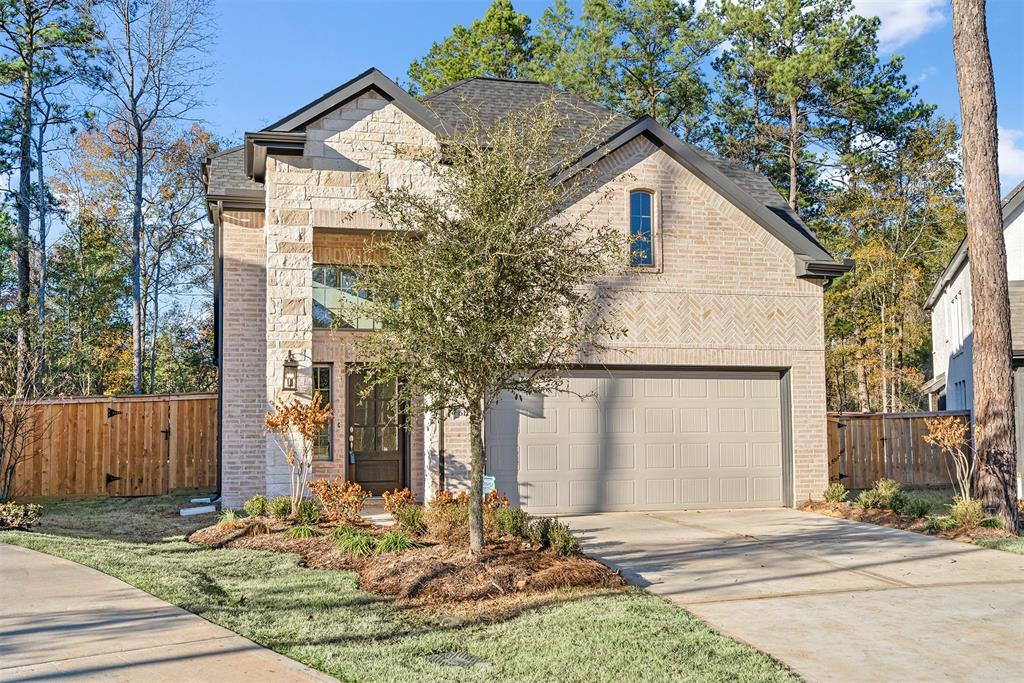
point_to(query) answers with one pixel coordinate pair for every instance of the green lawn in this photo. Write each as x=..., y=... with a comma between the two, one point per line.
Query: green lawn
x=320, y=617
x=1010, y=545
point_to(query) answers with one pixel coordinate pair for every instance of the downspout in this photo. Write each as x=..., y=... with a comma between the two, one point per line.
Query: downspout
x=440, y=452
x=218, y=336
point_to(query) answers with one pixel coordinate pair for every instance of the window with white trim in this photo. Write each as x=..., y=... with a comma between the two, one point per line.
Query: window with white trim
x=641, y=228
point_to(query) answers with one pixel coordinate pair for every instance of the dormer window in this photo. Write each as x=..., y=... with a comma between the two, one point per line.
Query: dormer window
x=640, y=228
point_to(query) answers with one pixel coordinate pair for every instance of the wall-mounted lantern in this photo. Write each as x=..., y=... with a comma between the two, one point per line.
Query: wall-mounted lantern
x=291, y=373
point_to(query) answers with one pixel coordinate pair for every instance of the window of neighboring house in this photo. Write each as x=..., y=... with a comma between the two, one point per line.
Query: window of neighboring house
x=323, y=448
x=960, y=395
x=641, y=231
x=956, y=320
x=336, y=300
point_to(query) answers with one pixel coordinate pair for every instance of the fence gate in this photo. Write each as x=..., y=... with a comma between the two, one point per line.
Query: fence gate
x=865, y=447
x=121, y=446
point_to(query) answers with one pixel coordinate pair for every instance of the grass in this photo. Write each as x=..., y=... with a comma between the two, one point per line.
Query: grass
x=1010, y=545
x=321, y=618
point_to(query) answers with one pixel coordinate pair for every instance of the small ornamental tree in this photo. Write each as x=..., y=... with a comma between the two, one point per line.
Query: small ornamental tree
x=295, y=426
x=951, y=435
x=489, y=284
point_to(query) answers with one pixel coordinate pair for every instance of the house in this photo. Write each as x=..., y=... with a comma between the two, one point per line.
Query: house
x=952, y=385
x=715, y=398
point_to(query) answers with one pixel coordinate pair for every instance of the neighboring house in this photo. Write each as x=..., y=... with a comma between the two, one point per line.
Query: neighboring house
x=952, y=384
x=716, y=397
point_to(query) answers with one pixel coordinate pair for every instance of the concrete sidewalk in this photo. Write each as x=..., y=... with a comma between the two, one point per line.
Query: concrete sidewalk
x=833, y=599
x=61, y=620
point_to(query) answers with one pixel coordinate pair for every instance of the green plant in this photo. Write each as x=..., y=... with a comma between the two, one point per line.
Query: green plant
x=410, y=520
x=512, y=521
x=257, y=527
x=18, y=515
x=280, y=507
x=561, y=539
x=539, y=530
x=255, y=506
x=393, y=542
x=912, y=505
x=309, y=512
x=341, y=500
x=991, y=523
x=966, y=512
x=940, y=523
x=868, y=498
x=836, y=493
x=356, y=541
x=228, y=519
x=888, y=492
x=303, y=531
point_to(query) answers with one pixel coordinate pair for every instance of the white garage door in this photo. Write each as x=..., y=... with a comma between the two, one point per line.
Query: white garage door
x=642, y=440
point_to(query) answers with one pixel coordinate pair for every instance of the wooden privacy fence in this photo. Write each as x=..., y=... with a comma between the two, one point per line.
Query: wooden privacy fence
x=865, y=447
x=121, y=446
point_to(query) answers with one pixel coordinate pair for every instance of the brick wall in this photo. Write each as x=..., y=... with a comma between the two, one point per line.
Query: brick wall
x=244, y=348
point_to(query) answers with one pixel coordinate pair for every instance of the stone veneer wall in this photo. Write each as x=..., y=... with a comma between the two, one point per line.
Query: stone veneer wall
x=366, y=141
x=244, y=330
x=723, y=294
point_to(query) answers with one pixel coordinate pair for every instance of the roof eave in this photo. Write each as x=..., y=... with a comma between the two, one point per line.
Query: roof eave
x=259, y=144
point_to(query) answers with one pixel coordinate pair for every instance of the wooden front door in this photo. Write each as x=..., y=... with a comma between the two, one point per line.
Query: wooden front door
x=376, y=440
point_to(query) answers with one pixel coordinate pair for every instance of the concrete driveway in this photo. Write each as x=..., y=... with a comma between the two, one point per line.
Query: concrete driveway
x=60, y=620
x=835, y=600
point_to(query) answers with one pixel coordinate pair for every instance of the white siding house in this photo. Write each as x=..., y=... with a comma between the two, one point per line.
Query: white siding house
x=952, y=385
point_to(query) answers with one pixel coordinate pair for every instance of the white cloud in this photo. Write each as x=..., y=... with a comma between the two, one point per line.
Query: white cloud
x=1011, y=158
x=903, y=21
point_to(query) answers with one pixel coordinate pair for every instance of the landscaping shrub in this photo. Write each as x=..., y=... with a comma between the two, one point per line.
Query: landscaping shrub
x=512, y=521
x=886, y=494
x=397, y=500
x=410, y=520
x=561, y=539
x=356, y=541
x=912, y=505
x=19, y=515
x=255, y=506
x=309, y=512
x=341, y=500
x=280, y=507
x=966, y=512
x=539, y=531
x=940, y=523
x=991, y=523
x=303, y=531
x=495, y=501
x=393, y=542
x=447, y=520
x=257, y=527
x=868, y=498
x=228, y=519
x=836, y=493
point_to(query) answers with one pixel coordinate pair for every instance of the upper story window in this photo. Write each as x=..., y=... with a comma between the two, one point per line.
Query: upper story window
x=956, y=322
x=641, y=228
x=337, y=303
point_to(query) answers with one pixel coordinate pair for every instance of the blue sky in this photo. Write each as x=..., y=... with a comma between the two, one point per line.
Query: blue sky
x=272, y=57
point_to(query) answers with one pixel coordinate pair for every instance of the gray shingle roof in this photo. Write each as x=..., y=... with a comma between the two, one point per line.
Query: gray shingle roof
x=490, y=99
x=226, y=174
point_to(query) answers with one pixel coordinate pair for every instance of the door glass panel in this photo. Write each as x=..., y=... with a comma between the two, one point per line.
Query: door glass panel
x=362, y=438
x=389, y=438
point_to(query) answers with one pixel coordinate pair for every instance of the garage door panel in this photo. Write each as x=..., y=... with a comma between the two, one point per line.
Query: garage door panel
x=643, y=440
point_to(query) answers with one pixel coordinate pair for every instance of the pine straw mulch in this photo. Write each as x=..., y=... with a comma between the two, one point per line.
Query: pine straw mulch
x=897, y=521
x=509, y=576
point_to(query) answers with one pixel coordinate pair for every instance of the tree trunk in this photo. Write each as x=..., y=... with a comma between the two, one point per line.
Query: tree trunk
x=476, y=479
x=794, y=122
x=41, y=288
x=137, y=330
x=156, y=325
x=23, y=238
x=994, y=438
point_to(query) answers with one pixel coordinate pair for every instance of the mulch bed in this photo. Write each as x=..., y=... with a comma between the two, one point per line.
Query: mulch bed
x=896, y=521
x=434, y=575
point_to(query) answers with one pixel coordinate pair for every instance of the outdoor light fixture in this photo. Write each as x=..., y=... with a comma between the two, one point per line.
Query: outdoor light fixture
x=291, y=373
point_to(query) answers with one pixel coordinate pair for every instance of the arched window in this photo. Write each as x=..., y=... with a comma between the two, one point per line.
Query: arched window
x=640, y=228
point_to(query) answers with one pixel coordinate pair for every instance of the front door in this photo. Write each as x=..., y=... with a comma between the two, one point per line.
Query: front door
x=376, y=457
